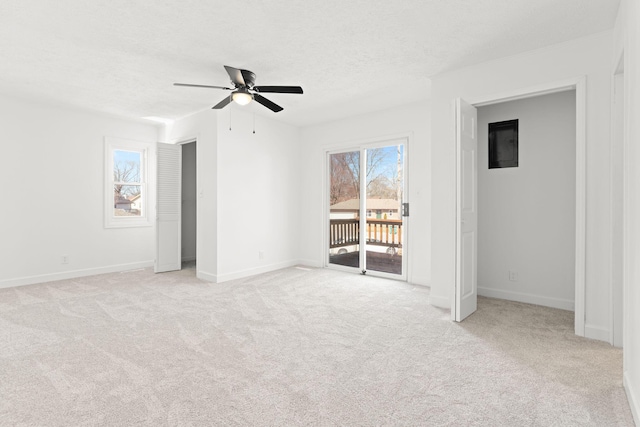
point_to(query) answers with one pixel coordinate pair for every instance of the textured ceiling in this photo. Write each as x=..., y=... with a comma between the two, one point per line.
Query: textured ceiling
x=351, y=57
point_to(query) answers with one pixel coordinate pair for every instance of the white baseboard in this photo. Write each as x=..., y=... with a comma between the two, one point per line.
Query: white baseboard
x=310, y=263
x=562, y=304
x=42, y=278
x=441, y=302
x=632, y=397
x=420, y=280
x=209, y=277
x=597, y=333
x=253, y=271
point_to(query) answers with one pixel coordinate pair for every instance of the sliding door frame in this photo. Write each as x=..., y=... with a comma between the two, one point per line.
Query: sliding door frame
x=362, y=146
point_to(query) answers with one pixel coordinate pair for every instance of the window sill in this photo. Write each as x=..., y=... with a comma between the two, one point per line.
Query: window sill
x=127, y=223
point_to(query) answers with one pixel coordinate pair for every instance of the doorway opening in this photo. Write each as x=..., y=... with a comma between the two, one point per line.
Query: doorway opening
x=527, y=210
x=466, y=291
x=367, y=209
x=176, y=212
x=189, y=206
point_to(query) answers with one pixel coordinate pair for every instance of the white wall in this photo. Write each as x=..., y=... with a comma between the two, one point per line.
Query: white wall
x=412, y=120
x=526, y=214
x=189, y=202
x=627, y=41
x=248, y=195
x=587, y=56
x=258, y=194
x=52, y=168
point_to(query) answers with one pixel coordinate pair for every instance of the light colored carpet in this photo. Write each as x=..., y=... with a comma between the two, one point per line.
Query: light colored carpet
x=292, y=347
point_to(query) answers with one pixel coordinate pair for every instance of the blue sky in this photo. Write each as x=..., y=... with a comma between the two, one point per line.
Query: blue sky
x=389, y=164
x=123, y=161
x=126, y=156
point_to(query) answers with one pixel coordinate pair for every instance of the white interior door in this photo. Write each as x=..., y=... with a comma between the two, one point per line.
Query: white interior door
x=169, y=209
x=466, y=295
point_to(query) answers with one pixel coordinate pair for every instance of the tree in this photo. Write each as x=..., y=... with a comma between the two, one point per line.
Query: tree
x=125, y=172
x=383, y=177
x=344, y=184
x=382, y=173
x=381, y=188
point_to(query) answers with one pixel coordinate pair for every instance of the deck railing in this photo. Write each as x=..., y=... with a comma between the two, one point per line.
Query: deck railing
x=381, y=232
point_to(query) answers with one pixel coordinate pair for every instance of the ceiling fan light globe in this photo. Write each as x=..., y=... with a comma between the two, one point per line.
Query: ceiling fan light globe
x=242, y=98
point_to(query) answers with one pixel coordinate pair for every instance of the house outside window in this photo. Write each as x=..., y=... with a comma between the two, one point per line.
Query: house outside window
x=126, y=183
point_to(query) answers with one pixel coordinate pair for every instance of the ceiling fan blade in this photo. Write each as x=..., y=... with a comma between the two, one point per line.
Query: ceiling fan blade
x=269, y=104
x=249, y=77
x=222, y=103
x=236, y=76
x=278, y=89
x=206, y=86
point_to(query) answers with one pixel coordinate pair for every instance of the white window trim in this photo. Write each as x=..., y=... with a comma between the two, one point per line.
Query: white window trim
x=110, y=220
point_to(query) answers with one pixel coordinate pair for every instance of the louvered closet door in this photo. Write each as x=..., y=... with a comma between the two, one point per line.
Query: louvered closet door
x=169, y=209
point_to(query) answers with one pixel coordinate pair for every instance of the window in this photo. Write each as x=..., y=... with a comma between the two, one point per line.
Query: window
x=369, y=212
x=126, y=187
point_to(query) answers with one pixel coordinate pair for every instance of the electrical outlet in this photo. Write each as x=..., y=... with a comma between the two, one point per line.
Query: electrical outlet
x=64, y=259
x=513, y=276
x=260, y=254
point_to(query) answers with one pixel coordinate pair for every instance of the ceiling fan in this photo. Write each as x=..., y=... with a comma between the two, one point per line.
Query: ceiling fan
x=244, y=90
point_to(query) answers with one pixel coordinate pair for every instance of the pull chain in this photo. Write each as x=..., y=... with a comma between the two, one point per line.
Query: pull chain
x=254, y=123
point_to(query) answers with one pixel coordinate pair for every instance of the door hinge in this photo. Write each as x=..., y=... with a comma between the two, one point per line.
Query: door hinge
x=405, y=209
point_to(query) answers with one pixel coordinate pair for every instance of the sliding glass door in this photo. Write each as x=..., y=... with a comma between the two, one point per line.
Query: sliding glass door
x=368, y=233
x=344, y=209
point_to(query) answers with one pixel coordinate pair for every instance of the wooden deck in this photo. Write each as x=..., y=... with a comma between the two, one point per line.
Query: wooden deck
x=376, y=261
